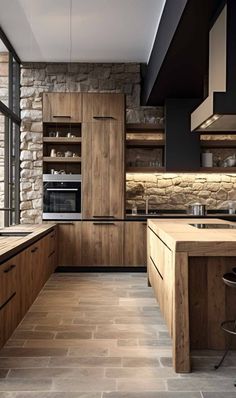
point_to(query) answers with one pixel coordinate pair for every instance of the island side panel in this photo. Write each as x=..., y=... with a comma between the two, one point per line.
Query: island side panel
x=211, y=301
x=181, y=339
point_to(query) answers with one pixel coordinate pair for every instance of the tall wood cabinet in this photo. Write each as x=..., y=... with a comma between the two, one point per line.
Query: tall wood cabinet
x=103, y=169
x=103, y=156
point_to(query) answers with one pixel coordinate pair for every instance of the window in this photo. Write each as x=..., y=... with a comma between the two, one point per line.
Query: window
x=9, y=133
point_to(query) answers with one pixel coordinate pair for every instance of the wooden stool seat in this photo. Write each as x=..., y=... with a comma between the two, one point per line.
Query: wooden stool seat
x=229, y=326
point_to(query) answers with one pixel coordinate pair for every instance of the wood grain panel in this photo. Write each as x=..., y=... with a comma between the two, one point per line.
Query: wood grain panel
x=103, y=170
x=69, y=248
x=135, y=243
x=108, y=105
x=62, y=107
x=102, y=243
x=198, y=313
x=181, y=340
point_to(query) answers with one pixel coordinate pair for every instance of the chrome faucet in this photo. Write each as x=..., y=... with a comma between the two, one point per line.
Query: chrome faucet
x=146, y=205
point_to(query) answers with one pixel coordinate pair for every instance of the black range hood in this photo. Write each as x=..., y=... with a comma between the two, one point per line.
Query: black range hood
x=217, y=113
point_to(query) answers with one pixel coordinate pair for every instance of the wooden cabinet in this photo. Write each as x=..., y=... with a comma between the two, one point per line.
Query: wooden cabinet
x=62, y=107
x=10, y=297
x=103, y=170
x=160, y=274
x=135, y=243
x=102, y=243
x=69, y=248
x=21, y=279
x=105, y=106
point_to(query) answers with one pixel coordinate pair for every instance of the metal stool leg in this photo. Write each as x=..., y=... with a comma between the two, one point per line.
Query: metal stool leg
x=227, y=349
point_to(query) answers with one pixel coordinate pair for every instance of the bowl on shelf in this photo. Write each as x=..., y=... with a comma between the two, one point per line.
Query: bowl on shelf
x=230, y=161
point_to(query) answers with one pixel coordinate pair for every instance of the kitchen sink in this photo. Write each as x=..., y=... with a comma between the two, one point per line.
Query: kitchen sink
x=14, y=233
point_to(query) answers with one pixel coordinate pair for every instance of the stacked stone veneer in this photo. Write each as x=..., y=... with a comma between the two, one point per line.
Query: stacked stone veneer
x=37, y=78
x=176, y=191
x=165, y=191
x=4, y=60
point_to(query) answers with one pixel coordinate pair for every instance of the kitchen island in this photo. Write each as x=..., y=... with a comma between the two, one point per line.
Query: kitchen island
x=185, y=269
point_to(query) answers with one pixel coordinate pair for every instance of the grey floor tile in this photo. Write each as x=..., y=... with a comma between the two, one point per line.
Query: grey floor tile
x=27, y=394
x=201, y=384
x=101, y=335
x=219, y=394
x=151, y=394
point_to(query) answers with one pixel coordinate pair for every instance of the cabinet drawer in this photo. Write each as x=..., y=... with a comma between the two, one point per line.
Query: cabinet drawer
x=8, y=280
x=157, y=249
x=103, y=107
x=9, y=319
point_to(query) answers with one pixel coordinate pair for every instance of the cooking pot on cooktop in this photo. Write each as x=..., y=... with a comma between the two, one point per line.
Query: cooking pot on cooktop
x=197, y=209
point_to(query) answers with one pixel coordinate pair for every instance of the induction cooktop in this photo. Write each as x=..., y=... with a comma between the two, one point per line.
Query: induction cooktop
x=213, y=226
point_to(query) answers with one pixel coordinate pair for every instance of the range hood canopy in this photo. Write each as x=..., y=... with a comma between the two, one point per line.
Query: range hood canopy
x=217, y=113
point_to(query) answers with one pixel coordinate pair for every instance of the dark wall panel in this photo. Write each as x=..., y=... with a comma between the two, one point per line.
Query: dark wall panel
x=182, y=150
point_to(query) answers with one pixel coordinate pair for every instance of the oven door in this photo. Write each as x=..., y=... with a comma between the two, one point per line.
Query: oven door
x=62, y=200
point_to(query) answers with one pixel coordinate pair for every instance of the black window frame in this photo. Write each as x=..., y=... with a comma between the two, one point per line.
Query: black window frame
x=11, y=118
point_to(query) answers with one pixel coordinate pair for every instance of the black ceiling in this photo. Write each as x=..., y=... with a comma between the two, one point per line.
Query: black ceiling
x=179, y=61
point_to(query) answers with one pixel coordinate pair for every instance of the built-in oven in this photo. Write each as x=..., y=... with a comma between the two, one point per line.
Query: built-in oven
x=61, y=196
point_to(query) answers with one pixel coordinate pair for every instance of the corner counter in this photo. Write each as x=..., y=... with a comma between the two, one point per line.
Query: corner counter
x=185, y=269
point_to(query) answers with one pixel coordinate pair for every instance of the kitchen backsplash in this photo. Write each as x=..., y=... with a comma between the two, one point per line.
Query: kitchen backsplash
x=176, y=191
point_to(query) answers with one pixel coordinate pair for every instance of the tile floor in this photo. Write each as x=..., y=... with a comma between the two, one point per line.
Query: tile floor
x=101, y=335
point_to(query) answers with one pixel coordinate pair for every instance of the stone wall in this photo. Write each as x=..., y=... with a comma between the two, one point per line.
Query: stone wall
x=4, y=60
x=176, y=191
x=37, y=78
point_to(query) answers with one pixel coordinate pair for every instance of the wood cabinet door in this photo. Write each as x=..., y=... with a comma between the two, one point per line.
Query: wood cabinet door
x=102, y=243
x=103, y=170
x=10, y=297
x=9, y=319
x=135, y=243
x=52, y=255
x=69, y=244
x=62, y=107
x=103, y=106
x=37, y=268
x=24, y=284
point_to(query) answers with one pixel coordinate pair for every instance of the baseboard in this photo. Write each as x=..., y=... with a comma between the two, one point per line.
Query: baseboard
x=100, y=269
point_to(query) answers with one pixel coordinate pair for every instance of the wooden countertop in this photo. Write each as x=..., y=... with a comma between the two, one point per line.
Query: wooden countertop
x=179, y=236
x=11, y=245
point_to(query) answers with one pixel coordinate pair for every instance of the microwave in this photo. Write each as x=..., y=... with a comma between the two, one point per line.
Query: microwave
x=62, y=197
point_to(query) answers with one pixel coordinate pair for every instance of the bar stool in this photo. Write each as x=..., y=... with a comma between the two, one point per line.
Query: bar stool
x=228, y=326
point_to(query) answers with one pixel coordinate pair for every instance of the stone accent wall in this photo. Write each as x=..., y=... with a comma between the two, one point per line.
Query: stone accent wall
x=4, y=60
x=176, y=191
x=37, y=78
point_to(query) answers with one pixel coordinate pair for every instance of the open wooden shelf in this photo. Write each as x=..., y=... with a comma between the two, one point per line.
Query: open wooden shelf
x=63, y=159
x=145, y=169
x=144, y=127
x=218, y=169
x=62, y=140
x=218, y=144
x=145, y=143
